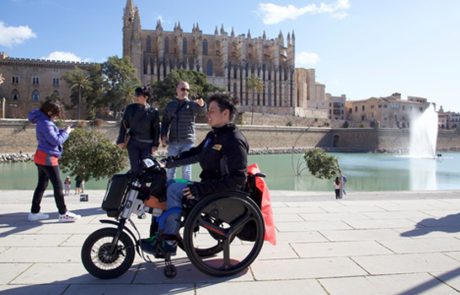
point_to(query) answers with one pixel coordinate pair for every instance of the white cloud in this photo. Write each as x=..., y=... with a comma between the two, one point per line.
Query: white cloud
x=273, y=13
x=306, y=59
x=64, y=56
x=10, y=36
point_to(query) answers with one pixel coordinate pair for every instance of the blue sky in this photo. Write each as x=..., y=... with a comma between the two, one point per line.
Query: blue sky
x=360, y=48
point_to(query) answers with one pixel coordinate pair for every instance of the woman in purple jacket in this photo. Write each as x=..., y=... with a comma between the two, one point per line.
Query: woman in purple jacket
x=50, y=141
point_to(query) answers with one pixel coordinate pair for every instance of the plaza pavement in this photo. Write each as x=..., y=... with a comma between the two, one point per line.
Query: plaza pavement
x=368, y=243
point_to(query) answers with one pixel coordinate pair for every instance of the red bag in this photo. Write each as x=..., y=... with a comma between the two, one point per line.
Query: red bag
x=266, y=207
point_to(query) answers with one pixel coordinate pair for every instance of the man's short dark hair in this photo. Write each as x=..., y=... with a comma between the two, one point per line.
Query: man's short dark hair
x=142, y=91
x=225, y=102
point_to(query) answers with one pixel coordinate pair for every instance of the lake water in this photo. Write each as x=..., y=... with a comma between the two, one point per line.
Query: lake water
x=364, y=171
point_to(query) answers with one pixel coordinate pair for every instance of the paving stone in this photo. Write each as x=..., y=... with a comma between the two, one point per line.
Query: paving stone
x=263, y=287
x=386, y=284
x=41, y=254
x=66, y=273
x=283, y=269
x=337, y=249
x=311, y=225
x=379, y=223
x=406, y=245
x=450, y=278
x=8, y=271
x=28, y=240
x=131, y=289
x=299, y=237
x=359, y=234
x=406, y=263
x=332, y=216
x=32, y=289
x=149, y=273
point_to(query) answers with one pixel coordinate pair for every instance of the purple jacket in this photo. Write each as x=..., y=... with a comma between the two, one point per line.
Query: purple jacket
x=50, y=138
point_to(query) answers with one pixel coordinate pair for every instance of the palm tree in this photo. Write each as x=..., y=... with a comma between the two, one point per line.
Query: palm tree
x=257, y=85
x=78, y=79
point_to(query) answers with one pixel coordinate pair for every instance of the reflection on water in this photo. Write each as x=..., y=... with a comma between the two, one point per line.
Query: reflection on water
x=422, y=173
x=365, y=172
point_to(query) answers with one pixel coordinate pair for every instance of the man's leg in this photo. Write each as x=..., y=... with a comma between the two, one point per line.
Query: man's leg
x=173, y=150
x=187, y=169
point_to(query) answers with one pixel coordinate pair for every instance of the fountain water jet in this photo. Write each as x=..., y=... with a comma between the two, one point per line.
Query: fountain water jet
x=424, y=134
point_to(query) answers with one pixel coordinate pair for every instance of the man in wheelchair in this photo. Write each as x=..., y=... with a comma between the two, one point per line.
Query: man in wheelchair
x=223, y=159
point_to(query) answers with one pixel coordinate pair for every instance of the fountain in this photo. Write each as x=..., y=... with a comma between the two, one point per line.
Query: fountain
x=424, y=134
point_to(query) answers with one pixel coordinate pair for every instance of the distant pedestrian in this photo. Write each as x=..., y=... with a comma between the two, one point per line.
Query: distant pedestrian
x=338, y=188
x=50, y=145
x=344, y=182
x=79, y=185
x=67, y=183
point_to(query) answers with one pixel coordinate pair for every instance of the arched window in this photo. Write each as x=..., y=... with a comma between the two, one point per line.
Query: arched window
x=15, y=94
x=149, y=44
x=166, y=45
x=205, y=47
x=209, y=68
x=184, y=46
x=35, y=95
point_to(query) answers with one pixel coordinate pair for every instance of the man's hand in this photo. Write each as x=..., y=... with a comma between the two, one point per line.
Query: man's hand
x=199, y=101
x=121, y=145
x=154, y=150
x=164, y=141
x=188, y=193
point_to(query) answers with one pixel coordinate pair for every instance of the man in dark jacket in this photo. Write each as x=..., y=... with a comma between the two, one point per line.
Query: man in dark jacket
x=178, y=126
x=222, y=156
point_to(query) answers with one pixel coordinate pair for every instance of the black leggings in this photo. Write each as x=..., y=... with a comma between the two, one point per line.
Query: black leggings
x=46, y=173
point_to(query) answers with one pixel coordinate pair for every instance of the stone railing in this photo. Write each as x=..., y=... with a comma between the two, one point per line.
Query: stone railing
x=16, y=157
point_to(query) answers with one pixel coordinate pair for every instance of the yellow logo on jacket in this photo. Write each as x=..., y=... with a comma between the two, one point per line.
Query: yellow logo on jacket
x=217, y=147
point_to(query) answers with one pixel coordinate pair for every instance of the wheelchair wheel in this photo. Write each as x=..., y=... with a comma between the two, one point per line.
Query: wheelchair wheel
x=100, y=261
x=224, y=217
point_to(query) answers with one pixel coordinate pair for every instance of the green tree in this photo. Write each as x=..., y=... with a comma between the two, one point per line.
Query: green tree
x=256, y=85
x=95, y=95
x=90, y=154
x=120, y=81
x=164, y=90
x=321, y=164
x=79, y=82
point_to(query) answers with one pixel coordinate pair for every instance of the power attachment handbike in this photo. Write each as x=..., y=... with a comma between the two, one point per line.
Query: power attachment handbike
x=212, y=230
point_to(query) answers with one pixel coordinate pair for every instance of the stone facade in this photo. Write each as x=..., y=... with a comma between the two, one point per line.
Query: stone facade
x=29, y=81
x=384, y=112
x=227, y=59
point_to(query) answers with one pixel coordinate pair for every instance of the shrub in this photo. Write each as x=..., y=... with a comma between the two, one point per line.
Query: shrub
x=90, y=154
x=320, y=164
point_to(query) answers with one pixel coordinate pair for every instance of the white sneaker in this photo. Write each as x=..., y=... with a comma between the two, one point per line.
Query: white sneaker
x=69, y=217
x=37, y=216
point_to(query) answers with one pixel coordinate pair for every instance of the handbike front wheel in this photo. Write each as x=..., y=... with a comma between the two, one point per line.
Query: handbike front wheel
x=100, y=261
x=224, y=216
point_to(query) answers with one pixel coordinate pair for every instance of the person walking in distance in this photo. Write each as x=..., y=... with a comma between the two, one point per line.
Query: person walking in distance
x=338, y=188
x=50, y=146
x=178, y=126
x=67, y=183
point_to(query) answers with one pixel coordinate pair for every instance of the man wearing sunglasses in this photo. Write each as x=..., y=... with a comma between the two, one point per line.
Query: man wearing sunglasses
x=178, y=126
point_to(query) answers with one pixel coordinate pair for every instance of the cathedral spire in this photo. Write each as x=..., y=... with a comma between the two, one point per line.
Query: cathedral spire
x=249, y=34
x=264, y=36
x=159, y=26
x=216, y=32
x=232, y=33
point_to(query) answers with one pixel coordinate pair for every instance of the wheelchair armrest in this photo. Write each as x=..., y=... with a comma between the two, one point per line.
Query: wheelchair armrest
x=260, y=174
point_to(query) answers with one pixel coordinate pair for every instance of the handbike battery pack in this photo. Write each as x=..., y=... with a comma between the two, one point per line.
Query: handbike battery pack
x=116, y=189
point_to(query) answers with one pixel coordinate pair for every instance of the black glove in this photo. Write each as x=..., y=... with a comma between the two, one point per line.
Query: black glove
x=191, y=194
x=168, y=162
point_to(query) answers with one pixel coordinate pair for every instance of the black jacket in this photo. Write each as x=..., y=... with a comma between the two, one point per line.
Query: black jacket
x=143, y=124
x=179, y=120
x=223, y=159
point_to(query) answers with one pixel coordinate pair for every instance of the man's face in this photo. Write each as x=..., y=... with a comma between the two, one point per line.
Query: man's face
x=182, y=90
x=216, y=118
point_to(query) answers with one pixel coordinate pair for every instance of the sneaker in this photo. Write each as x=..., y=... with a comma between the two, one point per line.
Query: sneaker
x=149, y=245
x=37, y=216
x=69, y=217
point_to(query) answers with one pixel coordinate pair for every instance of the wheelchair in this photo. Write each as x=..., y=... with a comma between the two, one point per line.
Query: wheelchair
x=222, y=234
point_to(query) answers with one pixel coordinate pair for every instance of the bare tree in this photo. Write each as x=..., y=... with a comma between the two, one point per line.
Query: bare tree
x=256, y=85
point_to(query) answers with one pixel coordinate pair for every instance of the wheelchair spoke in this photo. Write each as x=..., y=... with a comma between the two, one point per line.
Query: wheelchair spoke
x=212, y=227
x=226, y=250
x=239, y=223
